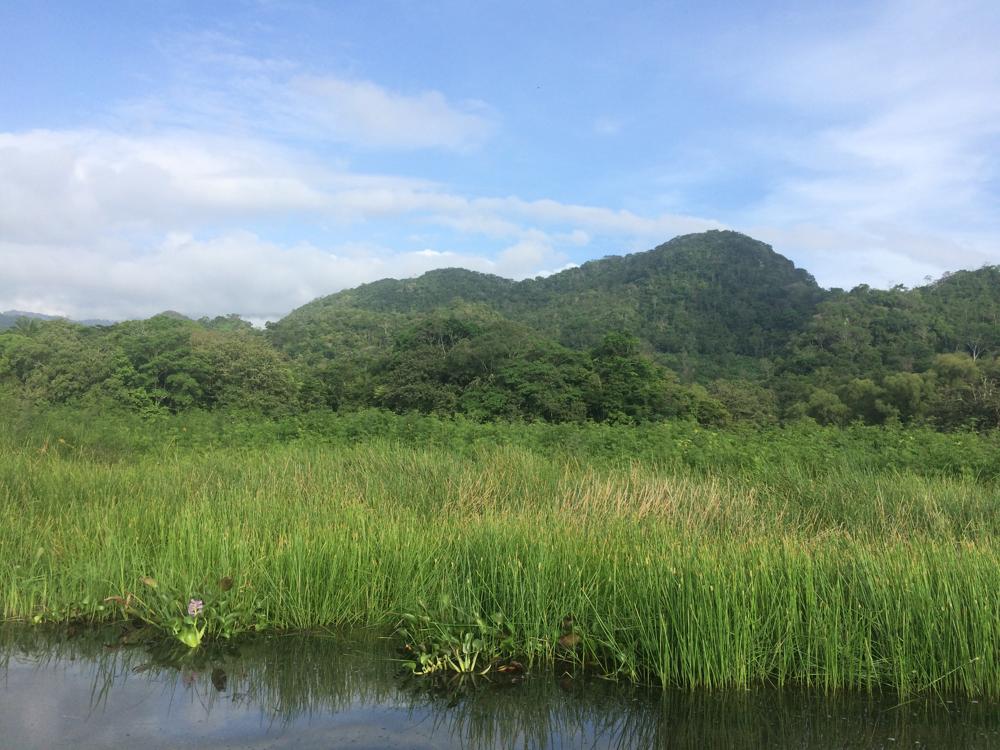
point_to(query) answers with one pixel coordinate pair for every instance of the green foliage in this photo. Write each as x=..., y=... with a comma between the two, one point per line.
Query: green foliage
x=967, y=310
x=166, y=362
x=715, y=327
x=866, y=331
x=746, y=402
x=712, y=293
x=858, y=558
x=473, y=361
x=458, y=643
x=633, y=389
x=826, y=408
x=905, y=394
x=22, y=321
x=218, y=611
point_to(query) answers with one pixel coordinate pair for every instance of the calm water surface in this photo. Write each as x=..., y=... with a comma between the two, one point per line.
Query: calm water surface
x=331, y=692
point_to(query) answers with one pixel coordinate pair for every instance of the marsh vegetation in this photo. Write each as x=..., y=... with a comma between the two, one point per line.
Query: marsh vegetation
x=321, y=691
x=695, y=562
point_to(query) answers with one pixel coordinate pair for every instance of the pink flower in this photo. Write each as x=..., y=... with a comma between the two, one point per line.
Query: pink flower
x=195, y=606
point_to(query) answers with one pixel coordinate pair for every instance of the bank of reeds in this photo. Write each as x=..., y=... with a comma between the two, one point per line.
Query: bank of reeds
x=850, y=579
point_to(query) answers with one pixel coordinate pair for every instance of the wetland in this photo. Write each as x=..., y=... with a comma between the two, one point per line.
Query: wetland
x=346, y=690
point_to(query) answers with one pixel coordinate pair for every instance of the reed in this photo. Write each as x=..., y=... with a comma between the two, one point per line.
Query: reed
x=851, y=578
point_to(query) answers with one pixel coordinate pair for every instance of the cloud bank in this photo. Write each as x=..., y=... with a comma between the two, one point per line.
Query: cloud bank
x=95, y=224
x=870, y=152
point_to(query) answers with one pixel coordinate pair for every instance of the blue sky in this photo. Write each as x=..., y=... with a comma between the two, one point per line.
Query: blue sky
x=249, y=156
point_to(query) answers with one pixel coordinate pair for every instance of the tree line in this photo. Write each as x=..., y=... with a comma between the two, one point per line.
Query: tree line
x=715, y=328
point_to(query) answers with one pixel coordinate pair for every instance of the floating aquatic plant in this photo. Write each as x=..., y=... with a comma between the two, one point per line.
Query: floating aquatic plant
x=462, y=645
x=191, y=628
x=162, y=608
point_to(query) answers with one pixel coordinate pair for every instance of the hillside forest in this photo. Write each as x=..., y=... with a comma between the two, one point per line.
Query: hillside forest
x=715, y=328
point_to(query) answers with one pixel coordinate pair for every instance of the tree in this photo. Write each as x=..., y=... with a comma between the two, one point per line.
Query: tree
x=907, y=394
x=865, y=400
x=827, y=408
x=746, y=401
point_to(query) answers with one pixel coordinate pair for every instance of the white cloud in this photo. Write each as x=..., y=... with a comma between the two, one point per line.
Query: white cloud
x=900, y=180
x=845, y=257
x=607, y=125
x=233, y=272
x=217, y=86
x=527, y=257
x=113, y=219
x=600, y=219
x=363, y=113
x=150, y=209
x=576, y=237
x=81, y=185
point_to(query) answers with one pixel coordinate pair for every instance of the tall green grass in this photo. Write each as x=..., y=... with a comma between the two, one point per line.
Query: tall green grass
x=857, y=578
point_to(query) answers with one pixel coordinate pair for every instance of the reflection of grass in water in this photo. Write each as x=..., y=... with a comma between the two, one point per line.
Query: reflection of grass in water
x=856, y=580
x=539, y=714
x=288, y=678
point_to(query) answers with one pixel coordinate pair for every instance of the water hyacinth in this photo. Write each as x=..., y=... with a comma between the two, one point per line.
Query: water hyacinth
x=195, y=606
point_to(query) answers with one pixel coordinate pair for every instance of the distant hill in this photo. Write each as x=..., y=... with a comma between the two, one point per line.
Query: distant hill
x=715, y=327
x=711, y=296
x=9, y=317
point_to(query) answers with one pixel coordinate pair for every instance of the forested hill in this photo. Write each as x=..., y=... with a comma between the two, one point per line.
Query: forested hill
x=715, y=327
x=10, y=318
x=711, y=295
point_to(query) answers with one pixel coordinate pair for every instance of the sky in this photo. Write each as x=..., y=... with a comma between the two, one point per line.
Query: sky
x=248, y=157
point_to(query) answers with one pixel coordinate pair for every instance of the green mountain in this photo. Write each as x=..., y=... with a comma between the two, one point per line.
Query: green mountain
x=9, y=318
x=714, y=327
x=718, y=309
x=708, y=297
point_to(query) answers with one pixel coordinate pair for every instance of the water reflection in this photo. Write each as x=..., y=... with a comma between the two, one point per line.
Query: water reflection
x=323, y=691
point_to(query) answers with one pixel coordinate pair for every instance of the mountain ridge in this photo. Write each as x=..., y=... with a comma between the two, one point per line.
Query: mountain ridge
x=715, y=327
x=9, y=318
x=679, y=297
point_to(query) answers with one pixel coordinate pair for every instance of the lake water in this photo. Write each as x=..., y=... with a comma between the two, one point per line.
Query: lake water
x=331, y=692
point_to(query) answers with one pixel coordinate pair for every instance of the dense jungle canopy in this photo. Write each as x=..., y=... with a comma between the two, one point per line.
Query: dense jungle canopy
x=713, y=327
